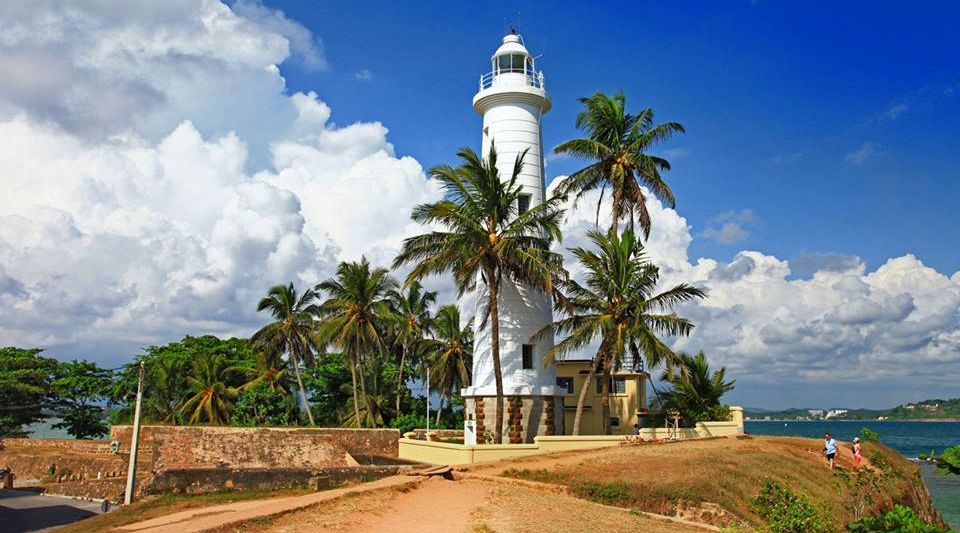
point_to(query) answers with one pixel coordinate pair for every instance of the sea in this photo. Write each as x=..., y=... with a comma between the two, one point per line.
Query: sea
x=909, y=438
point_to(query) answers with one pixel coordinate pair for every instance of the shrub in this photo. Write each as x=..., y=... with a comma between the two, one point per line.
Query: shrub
x=605, y=492
x=787, y=512
x=949, y=461
x=410, y=421
x=869, y=435
x=901, y=519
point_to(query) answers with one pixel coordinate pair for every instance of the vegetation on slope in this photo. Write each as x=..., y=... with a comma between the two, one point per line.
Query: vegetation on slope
x=730, y=482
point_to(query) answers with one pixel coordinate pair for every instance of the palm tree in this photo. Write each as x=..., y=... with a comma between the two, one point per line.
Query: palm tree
x=617, y=144
x=617, y=306
x=449, y=354
x=696, y=392
x=268, y=370
x=355, y=317
x=165, y=382
x=212, y=400
x=293, y=331
x=411, y=311
x=484, y=237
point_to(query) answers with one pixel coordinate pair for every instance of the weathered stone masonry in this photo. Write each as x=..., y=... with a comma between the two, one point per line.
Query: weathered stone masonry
x=524, y=417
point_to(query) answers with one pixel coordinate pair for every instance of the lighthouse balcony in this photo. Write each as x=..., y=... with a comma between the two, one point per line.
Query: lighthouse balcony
x=512, y=78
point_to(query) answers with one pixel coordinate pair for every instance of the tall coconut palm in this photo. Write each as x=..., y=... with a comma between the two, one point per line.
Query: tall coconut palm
x=483, y=237
x=616, y=146
x=355, y=316
x=449, y=354
x=616, y=305
x=412, y=321
x=293, y=331
x=212, y=400
x=695, y=392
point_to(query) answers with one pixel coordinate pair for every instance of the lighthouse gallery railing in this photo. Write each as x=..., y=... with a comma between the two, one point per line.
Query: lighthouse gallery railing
x=487, y=80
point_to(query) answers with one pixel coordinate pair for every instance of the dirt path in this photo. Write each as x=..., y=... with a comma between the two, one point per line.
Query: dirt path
x=468, y=505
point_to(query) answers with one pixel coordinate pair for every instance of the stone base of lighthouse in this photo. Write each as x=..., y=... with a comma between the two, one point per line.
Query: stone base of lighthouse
x=524, y=417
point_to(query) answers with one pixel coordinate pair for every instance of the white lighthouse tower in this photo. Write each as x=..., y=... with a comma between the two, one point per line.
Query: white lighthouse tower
x=512, y=99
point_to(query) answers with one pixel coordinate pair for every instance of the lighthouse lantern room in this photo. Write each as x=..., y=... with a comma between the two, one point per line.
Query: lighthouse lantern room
x=512, y=99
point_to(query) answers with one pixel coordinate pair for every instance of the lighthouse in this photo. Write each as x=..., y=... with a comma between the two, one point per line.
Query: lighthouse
x=512, y=99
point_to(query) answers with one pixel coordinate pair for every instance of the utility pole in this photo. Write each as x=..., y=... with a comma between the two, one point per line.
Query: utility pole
x=134, y=440
x=428, y=401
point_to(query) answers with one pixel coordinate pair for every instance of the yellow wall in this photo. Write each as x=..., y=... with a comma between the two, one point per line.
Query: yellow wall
x=623, y=406
x=443, y=453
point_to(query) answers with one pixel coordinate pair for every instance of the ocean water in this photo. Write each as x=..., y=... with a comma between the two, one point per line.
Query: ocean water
x=908, y=438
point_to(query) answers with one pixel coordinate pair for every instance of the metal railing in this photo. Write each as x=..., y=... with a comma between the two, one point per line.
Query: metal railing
x=489, y=79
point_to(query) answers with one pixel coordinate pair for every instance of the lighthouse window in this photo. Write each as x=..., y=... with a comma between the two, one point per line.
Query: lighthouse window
x=511, y=62
x=523, y=204
x=527, y=356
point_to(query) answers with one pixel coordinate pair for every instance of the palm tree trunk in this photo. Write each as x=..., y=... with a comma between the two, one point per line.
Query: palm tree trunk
x=493, y=287
x=439, y=410
x=605, y=397
x=403, y=356
x=615, y=214
x=581, y=400
x=356, y=404
x=303, y=392
x=363, y=387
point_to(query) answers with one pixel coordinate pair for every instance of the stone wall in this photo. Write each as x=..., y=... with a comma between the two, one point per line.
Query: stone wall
x=87, y=446
x=524, y=417
x=185, y=447
x=199, y=480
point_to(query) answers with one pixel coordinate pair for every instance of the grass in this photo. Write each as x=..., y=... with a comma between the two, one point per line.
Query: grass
x=154, y=506
x=680, y=478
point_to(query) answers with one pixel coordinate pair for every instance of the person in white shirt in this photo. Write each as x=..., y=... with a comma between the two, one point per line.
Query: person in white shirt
x=829, y=448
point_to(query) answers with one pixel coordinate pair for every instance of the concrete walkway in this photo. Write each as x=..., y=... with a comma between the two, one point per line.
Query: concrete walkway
x=22, y=511
x=204, y=518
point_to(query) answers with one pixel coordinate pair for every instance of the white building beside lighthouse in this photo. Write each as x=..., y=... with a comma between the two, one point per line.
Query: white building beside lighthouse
x=512, y=99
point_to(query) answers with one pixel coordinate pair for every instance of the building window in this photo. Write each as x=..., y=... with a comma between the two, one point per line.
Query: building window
x=617, y=386
x=566, y=383
x=527, y=355
x=523, y=204
x=614, y=421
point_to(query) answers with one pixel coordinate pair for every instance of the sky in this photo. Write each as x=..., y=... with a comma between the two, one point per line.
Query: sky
x=164, y=163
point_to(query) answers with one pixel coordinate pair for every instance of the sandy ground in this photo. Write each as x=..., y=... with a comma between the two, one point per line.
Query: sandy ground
x=473, y=506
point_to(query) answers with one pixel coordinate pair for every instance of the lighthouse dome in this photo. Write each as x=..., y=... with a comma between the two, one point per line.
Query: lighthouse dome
x=512, y=44
x=512, y=57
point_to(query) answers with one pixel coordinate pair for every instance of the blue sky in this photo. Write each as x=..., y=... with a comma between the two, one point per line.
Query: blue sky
x=178, y=158
x=834, y=123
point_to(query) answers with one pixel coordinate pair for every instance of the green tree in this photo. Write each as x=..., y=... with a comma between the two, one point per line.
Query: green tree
x=165, y=380
x=80, y=386
x=412, y=321
x=261, y=404
x=212, y=400
x=449, y=354
x=616, y=146
x=484, y=237
x=696, y=391
x=617, y=306
x=25, y=378
x=293, y=331
x=354, y=318
x=331, y=390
